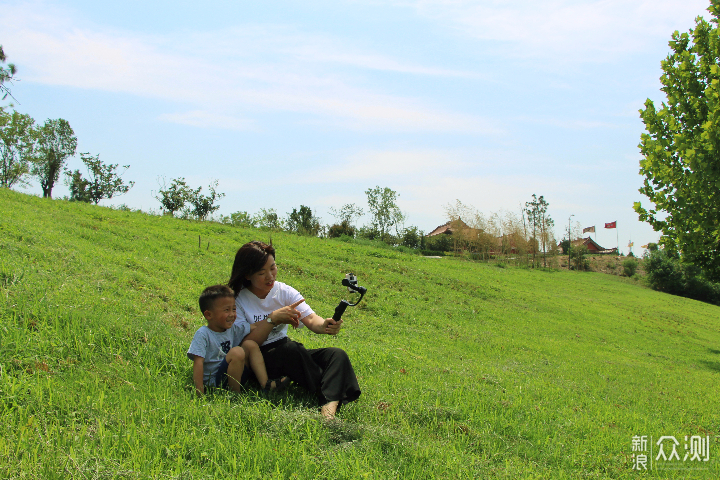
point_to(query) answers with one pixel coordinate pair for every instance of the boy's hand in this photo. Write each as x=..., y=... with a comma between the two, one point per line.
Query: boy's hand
x=287, y=315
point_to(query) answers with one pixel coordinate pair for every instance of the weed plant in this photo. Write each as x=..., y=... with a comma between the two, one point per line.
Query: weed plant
x=467, y=370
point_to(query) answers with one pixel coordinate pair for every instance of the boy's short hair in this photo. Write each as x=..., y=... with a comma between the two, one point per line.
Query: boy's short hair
x=210, y=294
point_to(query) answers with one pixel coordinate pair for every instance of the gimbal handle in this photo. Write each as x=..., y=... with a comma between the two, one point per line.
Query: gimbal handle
x=340, y=309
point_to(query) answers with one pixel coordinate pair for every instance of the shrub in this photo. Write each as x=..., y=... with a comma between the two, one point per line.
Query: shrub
x=174, y=197
x=239, y=219
x=629, y=267
x=268, y=218
x=103, y=181
x=204, y=205
x=667, y=273
x=343, y=229
x=578, y=258
x=442, y=243
x=412, y=237
x=303, y=222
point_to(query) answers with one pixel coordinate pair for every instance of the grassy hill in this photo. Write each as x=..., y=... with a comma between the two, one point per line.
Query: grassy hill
x=467, y=370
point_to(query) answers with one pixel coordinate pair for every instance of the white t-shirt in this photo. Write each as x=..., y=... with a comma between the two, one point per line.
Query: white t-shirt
x=251, y=309
x=213, y=346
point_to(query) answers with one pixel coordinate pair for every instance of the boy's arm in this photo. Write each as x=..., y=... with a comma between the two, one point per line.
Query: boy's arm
x=198, y=363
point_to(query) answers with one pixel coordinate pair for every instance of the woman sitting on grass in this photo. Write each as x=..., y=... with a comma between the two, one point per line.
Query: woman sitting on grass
x=272, y=306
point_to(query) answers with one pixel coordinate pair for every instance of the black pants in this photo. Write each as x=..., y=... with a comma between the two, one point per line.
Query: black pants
x=325, y=372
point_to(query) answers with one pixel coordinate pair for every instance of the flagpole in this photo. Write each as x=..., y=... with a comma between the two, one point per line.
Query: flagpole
x=617, y=237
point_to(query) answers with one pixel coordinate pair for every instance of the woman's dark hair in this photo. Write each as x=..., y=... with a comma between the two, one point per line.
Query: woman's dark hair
x=251, y=258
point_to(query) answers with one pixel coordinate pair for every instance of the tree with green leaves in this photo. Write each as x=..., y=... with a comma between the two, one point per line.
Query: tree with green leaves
x=303, y=222
x=384, y=210
x=174, y=197
x=345, y=217
x=102, y=181
x=6, y=75
x=536, y=213
x=412, y=237
x=239, y=219
x=268, y=218
x=17, y=145
x=56, y=142
x=347, y=213
x=204, y=205
x=681, y=148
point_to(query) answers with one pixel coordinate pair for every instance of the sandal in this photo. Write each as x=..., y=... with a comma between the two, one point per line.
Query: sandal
x=280, y=385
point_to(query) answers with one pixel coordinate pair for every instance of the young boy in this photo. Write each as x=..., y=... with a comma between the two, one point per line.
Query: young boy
x=219, y=359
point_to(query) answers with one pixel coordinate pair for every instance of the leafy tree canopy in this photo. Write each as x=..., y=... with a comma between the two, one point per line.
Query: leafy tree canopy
x=56, y=142
x=303, y=222
x=681, y=148
x=17, y=143
x=173, y=197
x=103, y=181
x=268, y=218
x=347, y=213
x=6, y=74
x=204, y=205
x=384, y=210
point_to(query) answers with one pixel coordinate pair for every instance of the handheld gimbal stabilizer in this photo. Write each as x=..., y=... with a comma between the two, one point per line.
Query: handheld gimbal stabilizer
x=350, y=281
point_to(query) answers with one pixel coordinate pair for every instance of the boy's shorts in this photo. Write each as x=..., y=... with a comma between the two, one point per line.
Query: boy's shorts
x=221, y=378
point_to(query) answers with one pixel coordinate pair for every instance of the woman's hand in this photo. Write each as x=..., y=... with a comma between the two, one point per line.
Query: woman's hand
x=287, y=315
x=322, y=325
x=331, y=326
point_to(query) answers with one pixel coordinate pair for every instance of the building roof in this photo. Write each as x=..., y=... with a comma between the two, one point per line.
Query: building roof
x=592, y=245
x=446, y=228
x=588, y=242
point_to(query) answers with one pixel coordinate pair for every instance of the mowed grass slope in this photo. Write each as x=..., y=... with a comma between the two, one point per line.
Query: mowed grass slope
x=467, y=370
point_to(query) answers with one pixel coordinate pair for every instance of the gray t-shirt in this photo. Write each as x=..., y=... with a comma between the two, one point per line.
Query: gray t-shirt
x=213, y=346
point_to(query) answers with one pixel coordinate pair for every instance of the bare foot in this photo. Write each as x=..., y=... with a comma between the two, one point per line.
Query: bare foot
x=328, y=410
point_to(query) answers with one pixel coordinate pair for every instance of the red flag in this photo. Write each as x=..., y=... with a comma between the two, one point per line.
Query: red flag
x=611, y=224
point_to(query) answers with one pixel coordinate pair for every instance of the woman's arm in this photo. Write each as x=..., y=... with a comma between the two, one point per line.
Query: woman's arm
x=259, y=331
x=322, y=325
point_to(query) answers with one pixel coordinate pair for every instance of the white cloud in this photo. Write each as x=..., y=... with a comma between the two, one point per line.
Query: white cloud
x=380, y=167
x=229, y=75
x=571, y=124
x=562, y=30
x=198, y=118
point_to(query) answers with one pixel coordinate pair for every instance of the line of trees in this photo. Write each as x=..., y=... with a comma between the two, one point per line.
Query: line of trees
x=29, y=151
x=504, y=235
x=177, y=198
x=40, y=152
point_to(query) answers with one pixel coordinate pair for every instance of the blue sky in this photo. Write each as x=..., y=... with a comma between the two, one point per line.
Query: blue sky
x=311, y=103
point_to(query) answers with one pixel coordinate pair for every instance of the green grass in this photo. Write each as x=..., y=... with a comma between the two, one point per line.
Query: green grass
x=467, y=370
